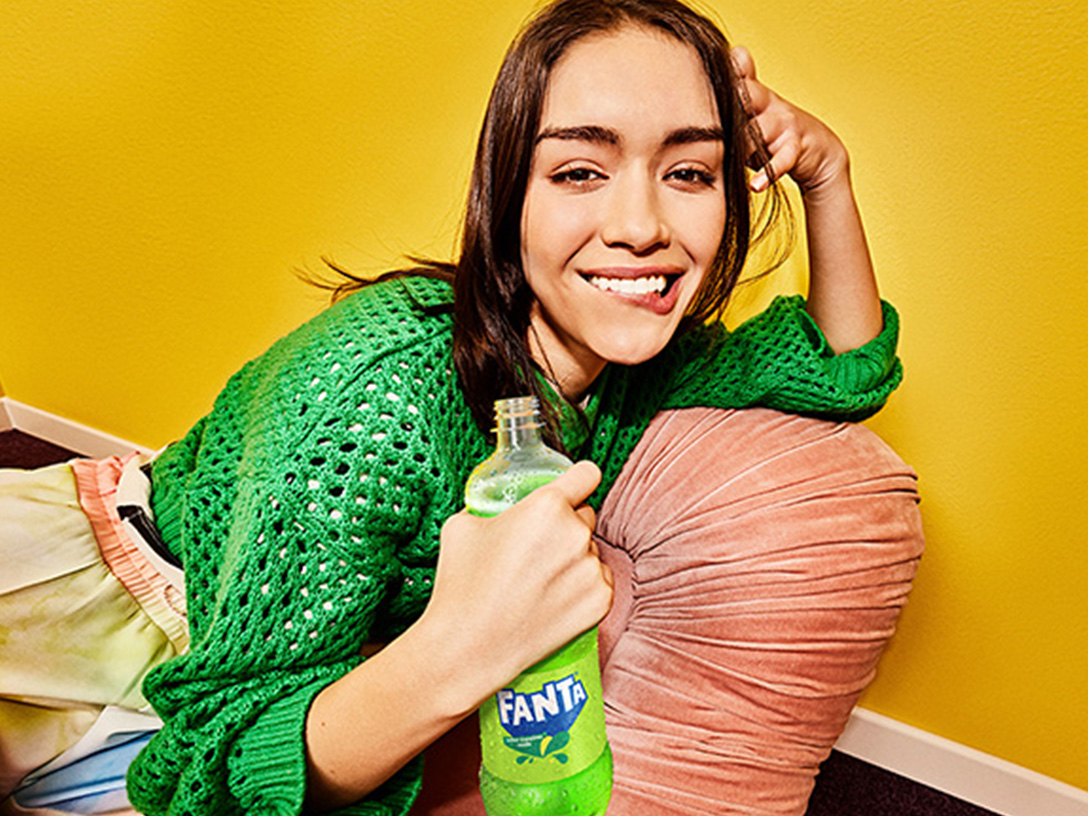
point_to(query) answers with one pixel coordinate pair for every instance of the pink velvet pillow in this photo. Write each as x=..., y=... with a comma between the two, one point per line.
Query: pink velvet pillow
x=761, y=561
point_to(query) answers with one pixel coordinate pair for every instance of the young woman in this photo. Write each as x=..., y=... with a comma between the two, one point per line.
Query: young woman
x=342, y=612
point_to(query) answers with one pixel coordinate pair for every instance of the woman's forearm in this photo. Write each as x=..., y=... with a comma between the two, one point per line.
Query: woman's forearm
x=364, y=727
x=843, y=298
x=469, y=640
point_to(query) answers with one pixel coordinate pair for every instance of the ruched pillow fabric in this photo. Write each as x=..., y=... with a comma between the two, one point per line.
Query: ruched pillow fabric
x=761, y=562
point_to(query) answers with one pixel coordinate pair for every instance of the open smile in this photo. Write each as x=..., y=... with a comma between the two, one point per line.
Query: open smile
x=654, y=288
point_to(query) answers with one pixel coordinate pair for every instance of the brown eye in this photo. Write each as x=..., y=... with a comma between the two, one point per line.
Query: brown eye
x=576, y=176
x=692, y=175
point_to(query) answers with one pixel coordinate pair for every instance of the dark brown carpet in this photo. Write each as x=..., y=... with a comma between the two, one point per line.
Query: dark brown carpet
x=21, y=450
x=848, y=786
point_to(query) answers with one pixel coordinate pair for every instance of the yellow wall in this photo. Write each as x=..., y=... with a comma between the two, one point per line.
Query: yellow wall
x=165, y=166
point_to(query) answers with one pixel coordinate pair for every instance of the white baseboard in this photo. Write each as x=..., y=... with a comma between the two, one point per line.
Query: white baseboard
x=955, y=769
x=64, y=432
x=959, y=771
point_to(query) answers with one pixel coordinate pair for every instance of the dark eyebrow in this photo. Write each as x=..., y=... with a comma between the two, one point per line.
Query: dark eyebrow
x=603, y=135
x=582, y=133
x=689, y=135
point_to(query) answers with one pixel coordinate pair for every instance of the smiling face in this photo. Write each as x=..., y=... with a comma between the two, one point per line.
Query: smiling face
x=624, y=208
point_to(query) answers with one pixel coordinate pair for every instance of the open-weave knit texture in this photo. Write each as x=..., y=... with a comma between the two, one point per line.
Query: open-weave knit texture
x=307, y=506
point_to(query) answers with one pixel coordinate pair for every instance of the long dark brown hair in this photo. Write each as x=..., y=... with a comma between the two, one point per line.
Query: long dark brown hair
x=492, y=300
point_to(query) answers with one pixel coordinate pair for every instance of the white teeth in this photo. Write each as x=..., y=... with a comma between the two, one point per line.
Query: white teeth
x=630, y=286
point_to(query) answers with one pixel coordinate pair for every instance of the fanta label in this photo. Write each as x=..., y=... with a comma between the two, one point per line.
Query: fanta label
x=553, y=709
x=546, y=725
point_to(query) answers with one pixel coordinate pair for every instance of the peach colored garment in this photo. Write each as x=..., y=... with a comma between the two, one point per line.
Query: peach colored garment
x=97, y=481
x=761, y=561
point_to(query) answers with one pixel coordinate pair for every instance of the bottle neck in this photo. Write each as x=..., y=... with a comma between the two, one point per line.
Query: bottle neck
x=517, y=423
x=518, y=435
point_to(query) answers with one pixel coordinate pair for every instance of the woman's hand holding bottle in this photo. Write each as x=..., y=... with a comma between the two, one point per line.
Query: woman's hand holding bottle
x=519, y=585
x=508, y=591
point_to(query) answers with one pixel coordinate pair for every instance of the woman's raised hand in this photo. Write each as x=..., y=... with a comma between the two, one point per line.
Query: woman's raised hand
x=842, y=296
x=525, y=582
x=798, y=143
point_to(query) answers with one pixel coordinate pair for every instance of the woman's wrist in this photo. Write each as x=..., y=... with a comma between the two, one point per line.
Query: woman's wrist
x=458, y=669
x=843, y=296
x=834, y=185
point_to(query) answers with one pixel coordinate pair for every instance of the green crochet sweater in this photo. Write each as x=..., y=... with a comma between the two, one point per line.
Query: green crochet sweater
x=307, y=505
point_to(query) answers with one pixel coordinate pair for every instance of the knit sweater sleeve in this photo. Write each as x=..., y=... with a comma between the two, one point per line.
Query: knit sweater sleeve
x=290, y=504
x=780, y=359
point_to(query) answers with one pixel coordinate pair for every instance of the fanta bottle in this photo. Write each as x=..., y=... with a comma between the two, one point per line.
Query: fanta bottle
x=542, y=736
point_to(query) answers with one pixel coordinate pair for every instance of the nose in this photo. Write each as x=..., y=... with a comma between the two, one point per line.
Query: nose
x=635, y=219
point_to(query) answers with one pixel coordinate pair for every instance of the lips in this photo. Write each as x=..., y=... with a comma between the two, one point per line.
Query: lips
x=653, y=288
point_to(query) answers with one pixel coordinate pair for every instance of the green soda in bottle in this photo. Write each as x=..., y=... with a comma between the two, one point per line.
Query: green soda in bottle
x=543, y=740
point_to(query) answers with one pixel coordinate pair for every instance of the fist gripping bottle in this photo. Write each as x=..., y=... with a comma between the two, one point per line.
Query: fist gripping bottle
x=542, y=736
